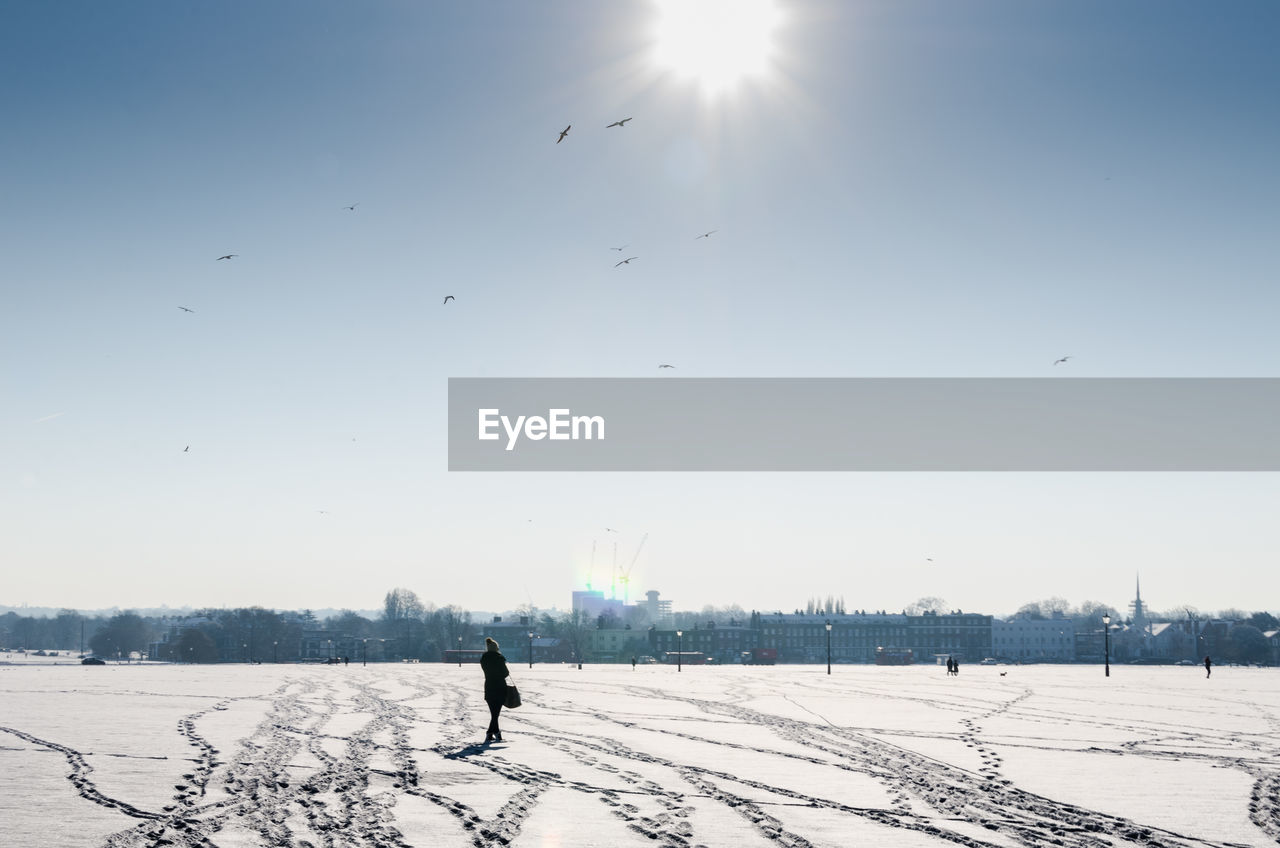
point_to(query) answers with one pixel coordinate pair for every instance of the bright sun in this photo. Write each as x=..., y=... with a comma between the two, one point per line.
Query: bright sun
x=718, y=43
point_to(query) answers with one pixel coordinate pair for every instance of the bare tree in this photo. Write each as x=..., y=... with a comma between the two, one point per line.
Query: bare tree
x=400, y=604
x=573, y=630
x=1030, y=610
x=927, y=604
x=1050, y=606
x=1093, y=611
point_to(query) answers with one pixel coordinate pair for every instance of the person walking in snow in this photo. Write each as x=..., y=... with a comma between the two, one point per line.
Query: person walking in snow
x=494, y=665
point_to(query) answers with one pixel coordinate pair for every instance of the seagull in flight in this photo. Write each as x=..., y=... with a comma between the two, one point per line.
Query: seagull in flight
x=564, y=132
x=626, y=261
x=351, y=208
x=228, y=256
x=1060, y=361
x=187, y=448
x=624, y=247
x=185, y=309
x=666, y=366
x=448, y=298
x=706, y=235
x=621, y=123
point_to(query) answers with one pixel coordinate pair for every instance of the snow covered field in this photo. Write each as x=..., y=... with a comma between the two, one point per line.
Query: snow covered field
x=231, y=756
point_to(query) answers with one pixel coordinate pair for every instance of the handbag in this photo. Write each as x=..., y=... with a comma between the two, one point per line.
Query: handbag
x=513, y=697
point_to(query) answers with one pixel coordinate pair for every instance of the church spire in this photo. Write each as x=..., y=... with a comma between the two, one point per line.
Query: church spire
x=1136, y=610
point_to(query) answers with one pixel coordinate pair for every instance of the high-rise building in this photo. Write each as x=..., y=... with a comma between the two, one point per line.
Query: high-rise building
x=659, y=611
x=593, y=603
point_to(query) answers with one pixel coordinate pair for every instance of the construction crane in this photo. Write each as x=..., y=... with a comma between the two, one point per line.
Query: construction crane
x=613, y=576
x=625, y=577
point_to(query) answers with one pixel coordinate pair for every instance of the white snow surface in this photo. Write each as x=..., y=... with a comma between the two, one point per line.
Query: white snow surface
x=392, y=755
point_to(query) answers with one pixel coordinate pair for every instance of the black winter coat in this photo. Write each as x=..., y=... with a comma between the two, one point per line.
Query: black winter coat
x=494, y=665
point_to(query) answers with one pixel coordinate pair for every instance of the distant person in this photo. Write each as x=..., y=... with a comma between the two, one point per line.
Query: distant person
x=1208, y=666
x=633, y=663
x=494, y=665
x=955, y=667
x=951, y=666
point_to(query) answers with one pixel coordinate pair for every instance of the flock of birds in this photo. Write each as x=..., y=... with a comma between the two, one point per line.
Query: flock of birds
x=563, y=133
x=622, y=123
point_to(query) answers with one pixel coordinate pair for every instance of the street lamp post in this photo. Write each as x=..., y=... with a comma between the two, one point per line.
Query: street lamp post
x=1106, y=641
x=530, y=649
x=459, y=652
x=275, y=651
x=680, y=650
x=330, y=650
x=828, y=647
x=365, y=660
x=244, y=651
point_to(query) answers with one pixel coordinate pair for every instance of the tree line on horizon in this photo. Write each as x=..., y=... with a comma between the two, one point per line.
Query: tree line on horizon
x=423, y=631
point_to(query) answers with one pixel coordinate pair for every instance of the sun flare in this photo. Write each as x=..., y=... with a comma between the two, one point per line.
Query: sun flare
x=717, y=43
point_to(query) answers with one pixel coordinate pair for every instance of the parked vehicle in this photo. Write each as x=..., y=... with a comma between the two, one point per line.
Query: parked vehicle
x=93, y=661
x=894, y=656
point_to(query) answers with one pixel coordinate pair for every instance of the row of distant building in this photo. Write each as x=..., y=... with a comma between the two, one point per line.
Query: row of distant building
x=850, y=637
x=898, y=638
x=862, y=637
x=853, y=638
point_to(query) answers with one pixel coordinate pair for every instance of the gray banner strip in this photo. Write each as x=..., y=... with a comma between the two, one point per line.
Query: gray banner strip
x=924, y=424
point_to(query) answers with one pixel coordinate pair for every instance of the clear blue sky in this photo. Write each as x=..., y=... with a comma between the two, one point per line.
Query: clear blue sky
x=909, y=189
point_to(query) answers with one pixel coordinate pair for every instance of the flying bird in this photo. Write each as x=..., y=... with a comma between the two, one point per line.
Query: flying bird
x=1060, y=361
x=447, y=298
x=610, y=530
x=352, y=207
x=228, y=256
x=187, y=448
x=666, y=366
x=621, y=123
x=185, y=309
x=626, y=261
x=564, y=132
x=706, y=235
x=624, y=247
